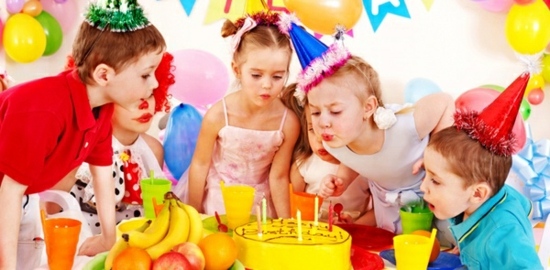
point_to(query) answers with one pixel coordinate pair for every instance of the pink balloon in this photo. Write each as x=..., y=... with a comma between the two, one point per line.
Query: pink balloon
x=479, y=98
x=201, y=78
x=66, y=13
x=496, y=5
x=1, y=31
x=535, y=96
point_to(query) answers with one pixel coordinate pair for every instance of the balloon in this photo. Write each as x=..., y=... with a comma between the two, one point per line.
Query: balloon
x=528, y=27
x=24, y=38
x=536, y=96
x=524, y=2
x=546, y=68
x=1, y=30
x=32, y=7
x=525, y=107
x=496, y=5
x=479, y=98
x=180, y=138
x=418, y=88
x=52, y=29
x=14, y=6
x=536, y=81
x=66, y=13
x=201, y=78
x=322, y=16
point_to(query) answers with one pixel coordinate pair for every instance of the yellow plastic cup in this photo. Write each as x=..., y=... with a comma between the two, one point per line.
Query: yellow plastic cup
x=153, y=188
x=238, y=201
x=61, y=239
x=412, y=252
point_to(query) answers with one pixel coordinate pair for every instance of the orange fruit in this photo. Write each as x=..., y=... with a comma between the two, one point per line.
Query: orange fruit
x=132, y=258
x=219, y=250
x=436, y=247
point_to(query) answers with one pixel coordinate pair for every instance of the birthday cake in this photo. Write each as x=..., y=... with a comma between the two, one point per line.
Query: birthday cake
x=280, y=247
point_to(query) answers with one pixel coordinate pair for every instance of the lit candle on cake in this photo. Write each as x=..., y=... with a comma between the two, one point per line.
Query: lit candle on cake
x=316, y=212
x=259, y=221
x=299, y=224
x=264, y=210
x=330, y=216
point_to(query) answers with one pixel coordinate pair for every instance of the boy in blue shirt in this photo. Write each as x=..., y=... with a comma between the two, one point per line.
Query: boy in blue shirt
x=466, y=167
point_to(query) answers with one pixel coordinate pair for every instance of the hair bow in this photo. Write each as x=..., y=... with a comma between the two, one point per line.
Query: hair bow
x=248, y=25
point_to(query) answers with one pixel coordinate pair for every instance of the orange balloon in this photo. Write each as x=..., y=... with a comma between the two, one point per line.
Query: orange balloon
x=322, y=16
x=32, y=8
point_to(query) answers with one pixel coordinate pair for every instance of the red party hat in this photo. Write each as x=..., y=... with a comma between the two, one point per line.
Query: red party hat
x=493, y=126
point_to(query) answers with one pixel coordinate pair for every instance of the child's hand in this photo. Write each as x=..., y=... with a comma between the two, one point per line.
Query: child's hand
x=345, y=218
x=94, y=245
x=418, y=165
x=331, y=185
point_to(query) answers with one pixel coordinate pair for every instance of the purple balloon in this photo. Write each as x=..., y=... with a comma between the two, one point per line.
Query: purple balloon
x=201, y=77
x=14, y=6
x=64, y=11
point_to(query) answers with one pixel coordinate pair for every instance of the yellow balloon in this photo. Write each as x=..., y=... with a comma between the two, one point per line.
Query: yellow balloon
x=24, y=38
x=536, y=81
x=322, y=16
x=546, y=67
x=528, y=27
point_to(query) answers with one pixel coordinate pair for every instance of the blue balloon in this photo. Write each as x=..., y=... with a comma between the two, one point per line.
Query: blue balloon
x=180, y=138
x=418, y=88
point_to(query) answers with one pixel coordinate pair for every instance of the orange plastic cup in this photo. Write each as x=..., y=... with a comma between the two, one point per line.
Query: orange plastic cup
x=61, y=239
x=305, y=202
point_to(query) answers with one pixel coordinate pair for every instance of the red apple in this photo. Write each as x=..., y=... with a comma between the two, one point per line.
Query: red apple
x=172, y=261
x=193, y=253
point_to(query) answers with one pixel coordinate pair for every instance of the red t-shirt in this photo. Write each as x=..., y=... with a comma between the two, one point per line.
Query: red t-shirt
x=47, y=128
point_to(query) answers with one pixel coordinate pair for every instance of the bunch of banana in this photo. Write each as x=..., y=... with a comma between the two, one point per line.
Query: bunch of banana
x=120, y=245
x=175, y=224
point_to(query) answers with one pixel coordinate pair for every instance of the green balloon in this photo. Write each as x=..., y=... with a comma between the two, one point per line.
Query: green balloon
x=53, y=31
x=525, y=109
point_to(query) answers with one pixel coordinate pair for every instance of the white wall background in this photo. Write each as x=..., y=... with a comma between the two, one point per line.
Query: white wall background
x=456, y=44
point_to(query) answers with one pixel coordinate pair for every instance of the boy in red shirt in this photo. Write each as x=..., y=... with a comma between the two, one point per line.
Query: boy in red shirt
x=50, y=126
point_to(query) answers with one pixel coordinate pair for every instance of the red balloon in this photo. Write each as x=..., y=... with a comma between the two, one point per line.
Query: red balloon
x=479, y=98
x=535, y=96
x=524, y=2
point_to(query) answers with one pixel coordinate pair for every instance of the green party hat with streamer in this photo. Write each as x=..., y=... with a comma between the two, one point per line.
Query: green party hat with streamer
x=118, y=15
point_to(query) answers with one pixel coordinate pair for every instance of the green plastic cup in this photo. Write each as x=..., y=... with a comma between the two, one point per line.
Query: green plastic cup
x=418, y=219
x=153, y=188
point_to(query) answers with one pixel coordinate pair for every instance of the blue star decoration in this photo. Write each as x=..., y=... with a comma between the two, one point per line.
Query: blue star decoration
x=378, y=9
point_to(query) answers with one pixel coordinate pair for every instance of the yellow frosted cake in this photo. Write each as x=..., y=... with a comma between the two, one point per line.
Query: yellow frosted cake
x=278, y=247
